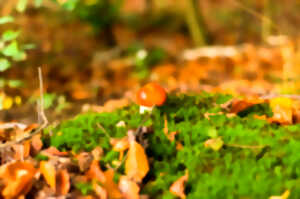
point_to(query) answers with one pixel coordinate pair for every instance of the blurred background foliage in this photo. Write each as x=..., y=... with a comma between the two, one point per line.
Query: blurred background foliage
x=108, y=40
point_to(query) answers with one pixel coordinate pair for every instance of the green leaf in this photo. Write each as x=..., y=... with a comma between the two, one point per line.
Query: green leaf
x=38, y=3
x=6, y=19
x=21, y=6
x=4, y=64
x=2, y=82
x=11, y=50
x=10, y=35
x=14, y=83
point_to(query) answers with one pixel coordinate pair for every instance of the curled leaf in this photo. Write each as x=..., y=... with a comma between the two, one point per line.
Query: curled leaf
x=17, y=178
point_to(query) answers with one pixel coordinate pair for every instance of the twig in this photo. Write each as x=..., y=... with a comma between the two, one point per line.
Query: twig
x=246, y=146
x=41, y=113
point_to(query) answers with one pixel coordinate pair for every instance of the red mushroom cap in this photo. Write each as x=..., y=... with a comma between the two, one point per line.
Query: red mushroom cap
x=152, y=94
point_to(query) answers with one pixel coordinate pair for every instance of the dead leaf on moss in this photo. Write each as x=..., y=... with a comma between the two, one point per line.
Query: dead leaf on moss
x=129, y=188
x=136, y=165
x=282, y=110
x=177, y=188
x=49, y=173
x=18, y=178
x=285, y=195
x=214, y=143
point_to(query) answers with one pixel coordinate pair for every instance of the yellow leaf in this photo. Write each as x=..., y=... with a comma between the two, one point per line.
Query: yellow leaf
x=49, y=173
x=282, y=110
x=214, y=143
x=136, y=165
x=285, y=195
x=110, y=186
x=129, y=188
x=7, y=103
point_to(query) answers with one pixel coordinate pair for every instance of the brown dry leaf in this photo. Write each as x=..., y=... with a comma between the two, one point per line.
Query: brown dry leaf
x=136, y=165
x=110, y=186
x=84, y=160
x=54, y=151
x=36, y=143
x=17, y=177
x=62, y=182
x=282, y=110
x=95, y=172
x=99, y=190
x=177, y=188
x=129, y=188
x=21, y=150
x=240, y=105
x=97, y=153
x=49, y=173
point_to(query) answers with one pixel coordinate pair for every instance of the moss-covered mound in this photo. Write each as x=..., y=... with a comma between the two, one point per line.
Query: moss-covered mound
x=256, y=160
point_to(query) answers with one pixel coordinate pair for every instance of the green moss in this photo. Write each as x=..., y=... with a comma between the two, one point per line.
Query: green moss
x=232, y=172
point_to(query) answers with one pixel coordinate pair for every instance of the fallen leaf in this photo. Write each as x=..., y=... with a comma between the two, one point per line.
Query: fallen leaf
x=84, y=160
x=36, y=143
x=99, y=190
x=54, y=151
x=62, y=182
x=49, y=173
x=282, y=110
x=110, y=186
x=17, y=178
x=285, y=195
x=97, y=153
x=214, y=143
x=136, y=165
x=21, y=150
x=240, y=105
x=177, y=188
x=129, y=188
x=95, y=172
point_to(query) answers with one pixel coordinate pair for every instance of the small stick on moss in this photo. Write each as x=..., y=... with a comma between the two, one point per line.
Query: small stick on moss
x=40, y=112
x=104, y=130
x=246, y=146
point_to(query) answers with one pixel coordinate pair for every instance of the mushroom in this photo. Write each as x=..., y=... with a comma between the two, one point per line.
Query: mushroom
x=150, y=95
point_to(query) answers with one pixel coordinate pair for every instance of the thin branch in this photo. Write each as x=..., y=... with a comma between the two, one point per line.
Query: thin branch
x=40, y=112
x=246, y=146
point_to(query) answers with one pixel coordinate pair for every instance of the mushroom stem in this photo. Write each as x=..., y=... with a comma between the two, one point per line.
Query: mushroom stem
x=144, y=109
